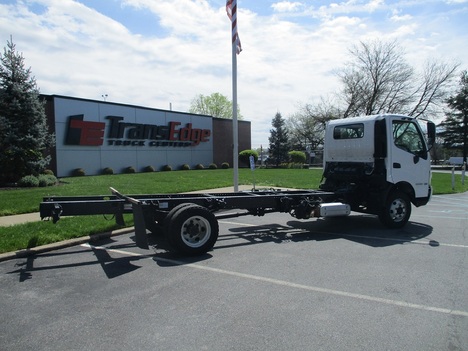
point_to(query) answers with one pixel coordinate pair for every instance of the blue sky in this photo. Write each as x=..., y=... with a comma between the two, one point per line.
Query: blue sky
x=160, y=52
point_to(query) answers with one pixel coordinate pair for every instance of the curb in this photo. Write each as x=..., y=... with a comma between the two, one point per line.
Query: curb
x=95, y=237
x=63, y=244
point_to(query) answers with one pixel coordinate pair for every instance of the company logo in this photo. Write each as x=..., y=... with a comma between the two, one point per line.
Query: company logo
x=84, y=133
x=121, y=133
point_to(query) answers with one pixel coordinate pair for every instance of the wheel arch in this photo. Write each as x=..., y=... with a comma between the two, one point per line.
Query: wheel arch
x=406, y=188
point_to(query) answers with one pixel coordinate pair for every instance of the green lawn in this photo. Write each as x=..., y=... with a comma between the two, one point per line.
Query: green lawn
x=27, y=200
x=16, y=201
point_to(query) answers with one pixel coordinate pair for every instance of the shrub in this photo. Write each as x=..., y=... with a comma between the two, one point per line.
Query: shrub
x=149, y=169
x=199, y=166
x=107, y=171
x=42, y=181
x=46, y=180
x=297, y=156
x=224, y=165
x=166, y=168
x=29, y=181
x=48, y=172
x=244, y=156
x=185, y=167
x=78, y=172
x=129, y=170
x=51, y=179
x=213, y=166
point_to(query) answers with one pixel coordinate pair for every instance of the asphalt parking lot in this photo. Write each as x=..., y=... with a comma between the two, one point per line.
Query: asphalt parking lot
x=271, y=283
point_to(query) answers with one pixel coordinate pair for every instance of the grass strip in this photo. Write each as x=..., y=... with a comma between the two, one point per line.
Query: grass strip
x=22, y=200
x=29, y=235
x=33, y=234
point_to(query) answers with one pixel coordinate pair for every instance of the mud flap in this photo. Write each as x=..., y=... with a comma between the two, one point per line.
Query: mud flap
x=141, y=239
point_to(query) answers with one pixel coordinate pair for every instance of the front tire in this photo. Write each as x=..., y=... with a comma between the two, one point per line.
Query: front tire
x=397, y=210
x=192, y=230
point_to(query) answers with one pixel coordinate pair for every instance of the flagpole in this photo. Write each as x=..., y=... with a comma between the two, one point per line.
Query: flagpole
x=231, y=8
x=235, y=134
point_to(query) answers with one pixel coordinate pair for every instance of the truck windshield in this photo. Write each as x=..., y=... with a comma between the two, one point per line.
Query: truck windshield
x=407, y=136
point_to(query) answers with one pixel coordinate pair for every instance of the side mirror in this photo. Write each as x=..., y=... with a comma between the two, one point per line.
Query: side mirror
x=431, y=134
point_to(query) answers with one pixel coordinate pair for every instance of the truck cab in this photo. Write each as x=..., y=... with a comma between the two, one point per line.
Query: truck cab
x=379, y=164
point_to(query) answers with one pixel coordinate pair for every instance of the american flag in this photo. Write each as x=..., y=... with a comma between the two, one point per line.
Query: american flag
x=231, y=9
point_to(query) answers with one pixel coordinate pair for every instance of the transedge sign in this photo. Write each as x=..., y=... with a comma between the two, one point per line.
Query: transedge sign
x=86, y=133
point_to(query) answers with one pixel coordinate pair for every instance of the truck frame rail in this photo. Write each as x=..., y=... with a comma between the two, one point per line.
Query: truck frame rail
x=188, y=221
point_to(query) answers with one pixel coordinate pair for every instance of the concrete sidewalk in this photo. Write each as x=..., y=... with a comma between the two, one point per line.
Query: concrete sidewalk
x=34, y=217
x=6, y=221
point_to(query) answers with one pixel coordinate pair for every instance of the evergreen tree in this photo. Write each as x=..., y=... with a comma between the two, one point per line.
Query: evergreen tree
x=278, y=140
x=24, y=136
x=455, y=127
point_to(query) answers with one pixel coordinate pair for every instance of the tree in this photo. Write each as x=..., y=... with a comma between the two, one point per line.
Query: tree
x=307, y=127
x=377, y=79
x=278, y=140
x=455, y=127
x=216, y=105
x=24, y=136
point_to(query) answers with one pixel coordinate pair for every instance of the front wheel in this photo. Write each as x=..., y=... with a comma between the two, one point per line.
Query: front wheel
x=192, y=230
x=397, y=210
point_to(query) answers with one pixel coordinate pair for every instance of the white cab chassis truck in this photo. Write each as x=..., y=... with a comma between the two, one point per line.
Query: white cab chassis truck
x=375, y=164
x=379, y=164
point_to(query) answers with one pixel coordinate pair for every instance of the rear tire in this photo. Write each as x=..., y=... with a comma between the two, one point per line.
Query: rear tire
x=192, y=230
x=167, y=221
x=397, y=210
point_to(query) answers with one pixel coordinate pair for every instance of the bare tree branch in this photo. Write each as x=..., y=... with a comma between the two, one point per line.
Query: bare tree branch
x=377, y=79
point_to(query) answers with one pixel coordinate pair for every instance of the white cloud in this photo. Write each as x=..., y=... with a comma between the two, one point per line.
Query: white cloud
x=374, y=5
x=287, y=6
x=75, y=50
x=403, y=18
x=353, y=6
x=397, y=17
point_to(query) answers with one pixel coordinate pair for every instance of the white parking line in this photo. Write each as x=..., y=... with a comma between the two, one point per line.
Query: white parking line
x=448, y=202
x=290, y=284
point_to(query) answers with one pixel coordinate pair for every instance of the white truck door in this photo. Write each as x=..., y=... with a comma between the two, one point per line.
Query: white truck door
x=409, y=157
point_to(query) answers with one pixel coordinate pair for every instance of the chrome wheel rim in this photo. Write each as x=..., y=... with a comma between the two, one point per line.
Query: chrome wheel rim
x=196, y=231
x=398, y=210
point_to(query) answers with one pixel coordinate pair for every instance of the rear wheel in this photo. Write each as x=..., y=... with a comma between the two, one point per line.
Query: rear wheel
x=168, y=220
x=397, y=210
x=172, y=212
x=192, y=230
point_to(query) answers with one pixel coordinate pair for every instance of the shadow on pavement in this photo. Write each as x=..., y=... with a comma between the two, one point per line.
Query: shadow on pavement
x=362, y=229
x=116, y=259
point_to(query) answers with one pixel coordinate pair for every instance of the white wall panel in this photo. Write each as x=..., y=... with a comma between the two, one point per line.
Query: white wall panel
x=128, y=148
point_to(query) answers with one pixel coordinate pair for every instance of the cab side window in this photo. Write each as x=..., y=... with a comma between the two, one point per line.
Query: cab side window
x=349, y=131
x=407, y=136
